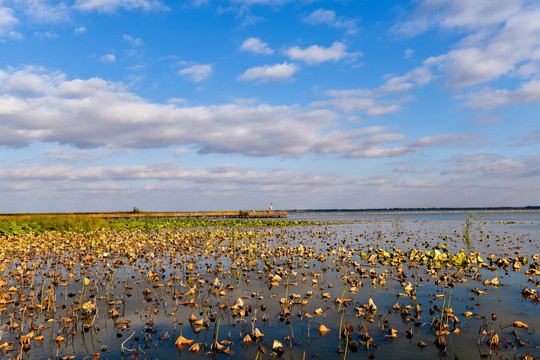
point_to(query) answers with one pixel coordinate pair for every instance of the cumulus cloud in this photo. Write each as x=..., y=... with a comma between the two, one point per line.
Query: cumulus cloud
x=72, y=155
x=197, y=73
x=261, y=2
x=133, y=41
x=449, y=140
x=451, y=14
x=41, y=106
x=108, y=58
x=352, y=104
x=470, y=66
x=269, y=73
x=380, y=100
x=80, y=30
x=416, y=78
x=501, y=39
x=328, y=17
x=488, y=98
x=316, y=54
x=169, y=186
x=7, y=23
x=45, y=11
x=489, y=167
x=163, y=171
x=256, y=46
x=114, y=5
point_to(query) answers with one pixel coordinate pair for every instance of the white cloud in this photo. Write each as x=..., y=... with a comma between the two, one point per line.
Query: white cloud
x=75, y=112
x=449, y=14
x=321, y=16
x=262, y=2
x=502, y=39
x=46, y=35
x=316, y=54
x=198, y=3
x=197, y=73
x=80, y=30
x=470, y=66
x=380, y=100
x=527, y=93
x=416, y=78
x=269, y=73
x=29, y=81
x=478, y=13
x=407, y=54
x=256, y=46
x=63, y=155
x=114, y=5
x=175, y=100
x=329, y=17
x=348, y=105
x=45, y=11
x=133, y=41
x=449, y=140
x=7, y=20
x=108, y=58
x=499, y=167
x=116, y=185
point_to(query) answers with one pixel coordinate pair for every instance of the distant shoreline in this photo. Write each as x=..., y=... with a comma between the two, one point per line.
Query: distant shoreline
x=420, y=210
x=292, y=211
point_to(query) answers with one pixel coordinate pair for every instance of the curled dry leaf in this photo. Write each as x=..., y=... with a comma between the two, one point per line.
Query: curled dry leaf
x=277, y=346
x=493, y=340
x=323, y=330
x=247, y=340
x=181, y=343
x=257, y=334
x=520, y=325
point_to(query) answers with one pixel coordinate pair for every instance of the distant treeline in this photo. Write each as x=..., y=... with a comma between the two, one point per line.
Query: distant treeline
x=431, y=209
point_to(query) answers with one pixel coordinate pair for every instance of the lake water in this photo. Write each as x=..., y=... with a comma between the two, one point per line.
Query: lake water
x=344, y=258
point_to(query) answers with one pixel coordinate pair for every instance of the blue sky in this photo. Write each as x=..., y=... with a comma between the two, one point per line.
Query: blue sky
x=233, y=104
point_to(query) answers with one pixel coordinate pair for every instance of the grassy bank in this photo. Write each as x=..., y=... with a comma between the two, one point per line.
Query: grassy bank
x=15, y=225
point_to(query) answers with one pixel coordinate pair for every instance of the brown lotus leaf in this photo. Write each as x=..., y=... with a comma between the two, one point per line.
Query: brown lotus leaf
x=195, y=348
x=520, y=325
x=257, y=334
x=323, y=330
x=277, y=346
x=218, y=346
x=88, y=307
x=247, y=340
x=181, y=343
x=493, y=340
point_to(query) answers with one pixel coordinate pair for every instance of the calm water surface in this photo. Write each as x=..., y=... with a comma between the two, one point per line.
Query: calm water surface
x=504, y=234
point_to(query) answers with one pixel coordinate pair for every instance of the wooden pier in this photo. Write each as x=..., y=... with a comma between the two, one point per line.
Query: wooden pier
x=242, y=214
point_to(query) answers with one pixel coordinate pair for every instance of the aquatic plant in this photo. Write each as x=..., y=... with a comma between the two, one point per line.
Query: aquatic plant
x=204, y=290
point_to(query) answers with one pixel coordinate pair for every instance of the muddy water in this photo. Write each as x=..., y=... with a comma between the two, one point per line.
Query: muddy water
x=150, y=318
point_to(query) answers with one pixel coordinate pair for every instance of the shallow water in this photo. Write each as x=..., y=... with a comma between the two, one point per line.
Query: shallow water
x=152, y=330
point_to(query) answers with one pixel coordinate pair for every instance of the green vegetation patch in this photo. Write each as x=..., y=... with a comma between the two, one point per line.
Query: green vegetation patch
x=16, y=225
